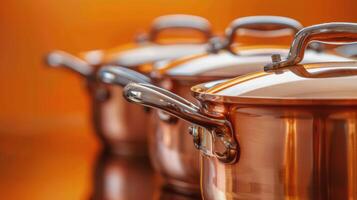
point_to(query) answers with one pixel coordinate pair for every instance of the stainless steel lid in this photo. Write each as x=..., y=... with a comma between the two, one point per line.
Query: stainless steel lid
x=150, y=48
x=289, y=81
x=226, y=58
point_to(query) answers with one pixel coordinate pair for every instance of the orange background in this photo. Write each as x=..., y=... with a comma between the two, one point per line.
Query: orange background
x=44, y=116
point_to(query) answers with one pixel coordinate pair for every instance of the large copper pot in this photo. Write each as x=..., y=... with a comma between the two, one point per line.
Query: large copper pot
x=114, y=119
x=287, y=133
x=171, y=151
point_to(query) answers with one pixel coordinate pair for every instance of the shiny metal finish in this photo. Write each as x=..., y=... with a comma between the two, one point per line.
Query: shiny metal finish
x=121, y=76
x=220, y=128
x=174, y=156
x=329, y=32
x=301, y=145
x=114, y=122
x=258, y=26
x=179, y=21
x=170, y=148
x=171, y=152
x=289, y=153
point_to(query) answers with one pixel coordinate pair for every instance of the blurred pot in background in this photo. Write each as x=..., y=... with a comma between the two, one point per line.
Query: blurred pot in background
x=114, y=119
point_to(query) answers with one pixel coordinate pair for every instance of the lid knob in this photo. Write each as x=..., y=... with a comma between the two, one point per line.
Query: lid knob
x=276, y=58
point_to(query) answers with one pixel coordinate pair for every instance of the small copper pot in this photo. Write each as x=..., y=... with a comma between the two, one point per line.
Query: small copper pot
x=114, y=119
x=171, y=151
x=289, y=132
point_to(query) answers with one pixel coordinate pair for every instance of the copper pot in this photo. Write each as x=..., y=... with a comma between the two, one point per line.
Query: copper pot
x=114, y=119
x=287, y=133
x=171, y=152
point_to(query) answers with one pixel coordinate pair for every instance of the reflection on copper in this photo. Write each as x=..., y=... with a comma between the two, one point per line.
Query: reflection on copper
x=352, y=160
x=320, y=149
x=290, y=160
x=166, y=193
x=172, y=151
x=122, y=178
x=115, y=120
x=315, y=153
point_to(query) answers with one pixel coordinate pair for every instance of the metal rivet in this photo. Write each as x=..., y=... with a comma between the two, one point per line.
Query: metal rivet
x=276, y=58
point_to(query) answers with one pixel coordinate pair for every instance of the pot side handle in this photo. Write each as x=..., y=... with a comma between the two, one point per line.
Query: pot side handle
x=59, y=58
x=121, y=76
x=152, y=96
x=337, y=32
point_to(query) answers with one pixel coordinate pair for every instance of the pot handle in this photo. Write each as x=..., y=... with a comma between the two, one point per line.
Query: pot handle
x=258, y=26
x=152, y=96
x=121, y=76
x=180, y=21
x=60, y=58
x=337, y=32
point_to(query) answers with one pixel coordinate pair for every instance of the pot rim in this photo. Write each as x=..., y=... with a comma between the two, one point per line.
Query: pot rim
x=200, y=93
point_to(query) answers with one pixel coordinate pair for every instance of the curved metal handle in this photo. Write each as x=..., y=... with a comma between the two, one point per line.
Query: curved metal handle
x=121, y=76
x=327, y=70
x=261, y=26
x=327, y=33
x=180, y=22
x=60, y=58
x=152, y=96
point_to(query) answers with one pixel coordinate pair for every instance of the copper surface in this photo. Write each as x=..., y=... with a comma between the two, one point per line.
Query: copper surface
x=115, y=120
x=112, y=117
x=287, y=153
x=171, y=149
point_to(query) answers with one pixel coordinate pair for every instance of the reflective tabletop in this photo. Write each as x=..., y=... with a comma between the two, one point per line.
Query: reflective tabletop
x=40, y=167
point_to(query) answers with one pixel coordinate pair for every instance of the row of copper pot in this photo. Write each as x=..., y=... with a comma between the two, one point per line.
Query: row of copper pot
x=285, y=127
